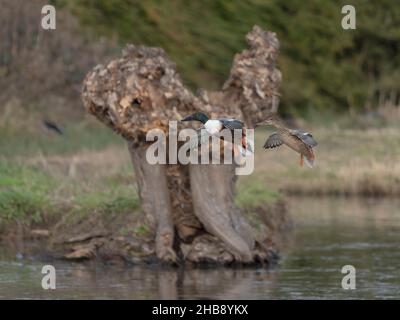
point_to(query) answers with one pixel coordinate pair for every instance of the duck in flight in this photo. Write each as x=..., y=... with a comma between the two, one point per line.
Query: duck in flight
x=215, y=126
x=298, y=140
x=52, y=126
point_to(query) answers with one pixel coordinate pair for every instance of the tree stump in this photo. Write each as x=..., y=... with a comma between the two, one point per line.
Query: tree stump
x=190, y=206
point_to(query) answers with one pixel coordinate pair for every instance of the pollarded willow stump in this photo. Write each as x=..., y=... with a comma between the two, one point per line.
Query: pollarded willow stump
x=190, y=206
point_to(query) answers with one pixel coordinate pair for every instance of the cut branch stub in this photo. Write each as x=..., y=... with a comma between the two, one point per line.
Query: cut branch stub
x=254, y=81
x=141, y=91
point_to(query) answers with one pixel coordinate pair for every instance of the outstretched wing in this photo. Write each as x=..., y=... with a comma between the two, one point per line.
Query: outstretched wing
x=232, y=124
x=306, y=137
x=273, y=141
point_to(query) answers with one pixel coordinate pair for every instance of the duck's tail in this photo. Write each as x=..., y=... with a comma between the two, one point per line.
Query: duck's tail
x=310, y=161
x=245, y=151
x=246, y=148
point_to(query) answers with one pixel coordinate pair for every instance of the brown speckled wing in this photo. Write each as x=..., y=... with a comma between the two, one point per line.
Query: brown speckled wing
x=273, y=141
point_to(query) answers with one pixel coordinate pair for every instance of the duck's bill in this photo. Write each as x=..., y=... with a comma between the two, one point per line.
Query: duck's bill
x=262, y=123
x=188, y=118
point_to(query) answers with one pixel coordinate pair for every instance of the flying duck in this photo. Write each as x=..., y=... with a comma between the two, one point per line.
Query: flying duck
x=298, y=140
x=52, y=126
x=215, y=126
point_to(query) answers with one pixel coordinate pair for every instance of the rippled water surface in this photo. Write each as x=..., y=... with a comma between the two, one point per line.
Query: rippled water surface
x=329, y=233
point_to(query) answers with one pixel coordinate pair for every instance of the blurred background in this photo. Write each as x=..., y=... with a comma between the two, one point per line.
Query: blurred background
x=59, y=166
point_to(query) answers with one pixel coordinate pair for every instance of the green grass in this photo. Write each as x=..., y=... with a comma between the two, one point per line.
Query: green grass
x=29, y=195
x=141, y=230
x=111, y=200
x=252, y=194
x=24, y=193
x=23, y=206
x=34, y=177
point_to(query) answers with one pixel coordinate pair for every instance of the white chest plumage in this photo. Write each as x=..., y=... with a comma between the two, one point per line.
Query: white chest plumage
x=213, y=126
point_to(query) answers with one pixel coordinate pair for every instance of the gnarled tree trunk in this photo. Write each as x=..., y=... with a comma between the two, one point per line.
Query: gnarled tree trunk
x=191, y=206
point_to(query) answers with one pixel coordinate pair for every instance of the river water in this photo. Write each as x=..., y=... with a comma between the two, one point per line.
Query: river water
x=328, y=234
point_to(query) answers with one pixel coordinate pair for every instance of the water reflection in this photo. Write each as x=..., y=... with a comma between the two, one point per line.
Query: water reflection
x=329, y=233
x=76, y=281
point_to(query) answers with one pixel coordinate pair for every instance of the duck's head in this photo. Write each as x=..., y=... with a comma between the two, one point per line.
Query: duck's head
x=198, y=116
x=271, y=120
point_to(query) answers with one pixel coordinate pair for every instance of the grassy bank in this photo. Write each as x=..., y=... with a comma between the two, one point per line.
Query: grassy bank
x=44, y=176
x=349, y=162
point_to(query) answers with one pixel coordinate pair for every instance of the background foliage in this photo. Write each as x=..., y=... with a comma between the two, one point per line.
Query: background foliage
x=323, y=65
x=325, y=68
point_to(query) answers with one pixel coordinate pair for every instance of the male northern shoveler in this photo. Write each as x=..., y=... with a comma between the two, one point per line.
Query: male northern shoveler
x=215, y=126
x=298, y=140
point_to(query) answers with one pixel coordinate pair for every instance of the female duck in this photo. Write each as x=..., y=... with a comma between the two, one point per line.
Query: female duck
x=298, y=140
